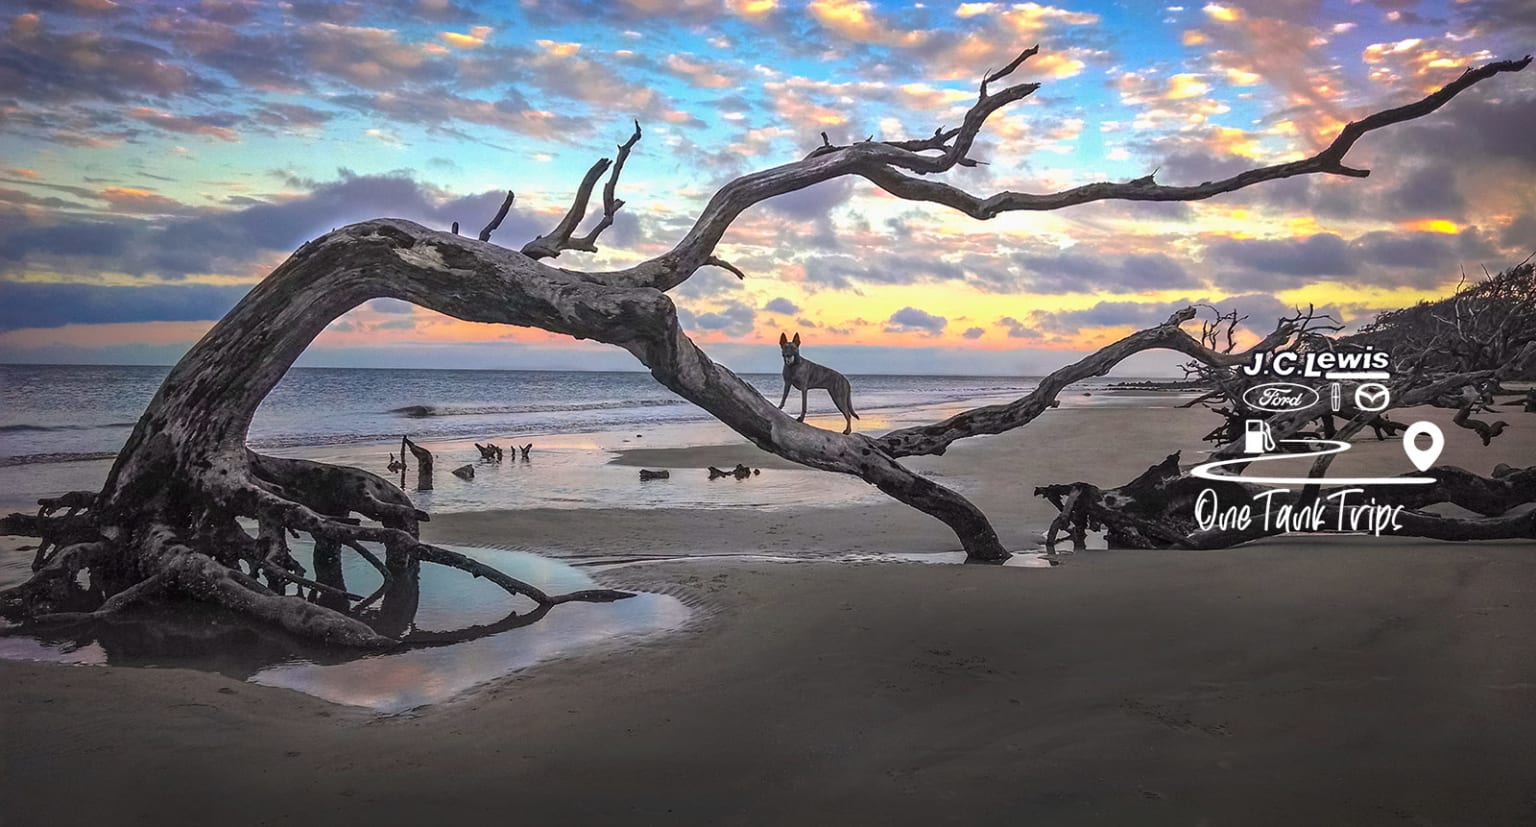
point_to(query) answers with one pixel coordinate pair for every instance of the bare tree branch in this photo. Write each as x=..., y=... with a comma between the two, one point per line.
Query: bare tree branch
x=485, y=234
x=716, y=261
x=995, y=419
x=560, y=238
x=886, y=164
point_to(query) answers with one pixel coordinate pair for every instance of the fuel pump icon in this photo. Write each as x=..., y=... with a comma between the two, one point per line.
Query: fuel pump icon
x=1257, y=439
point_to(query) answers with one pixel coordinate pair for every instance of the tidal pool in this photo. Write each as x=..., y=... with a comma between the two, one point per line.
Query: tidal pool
x=210, y=639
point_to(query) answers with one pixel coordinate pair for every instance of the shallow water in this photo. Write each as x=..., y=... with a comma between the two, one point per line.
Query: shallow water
x=211, y=640
x=1026, y=559
x=64, y=413
x=574, y=470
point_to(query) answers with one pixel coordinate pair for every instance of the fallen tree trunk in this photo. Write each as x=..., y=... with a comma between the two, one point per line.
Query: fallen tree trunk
x=167, y=521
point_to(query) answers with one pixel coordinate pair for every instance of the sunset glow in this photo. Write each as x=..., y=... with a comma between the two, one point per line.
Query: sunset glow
x=158, y=159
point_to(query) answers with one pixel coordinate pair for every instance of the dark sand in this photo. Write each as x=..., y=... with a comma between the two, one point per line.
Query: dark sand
x=1321, y=685
x=1301, y=681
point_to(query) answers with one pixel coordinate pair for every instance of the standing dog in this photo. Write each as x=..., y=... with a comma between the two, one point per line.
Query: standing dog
x=804, y=374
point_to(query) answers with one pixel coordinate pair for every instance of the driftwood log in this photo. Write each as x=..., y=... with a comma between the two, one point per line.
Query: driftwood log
x=166, y=521
x=423, y=463
x=489, y=452
x=740, y=472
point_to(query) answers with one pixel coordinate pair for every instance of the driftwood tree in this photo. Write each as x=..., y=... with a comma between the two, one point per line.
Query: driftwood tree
x=165, y=522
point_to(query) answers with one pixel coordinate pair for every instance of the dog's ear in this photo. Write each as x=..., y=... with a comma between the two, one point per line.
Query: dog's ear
x=797, y=338
x=783, y=340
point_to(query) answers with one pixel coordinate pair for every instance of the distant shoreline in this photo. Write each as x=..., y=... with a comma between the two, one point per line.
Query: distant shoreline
x=1162, y=385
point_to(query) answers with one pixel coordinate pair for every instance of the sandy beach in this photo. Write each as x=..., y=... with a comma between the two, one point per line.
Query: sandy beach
x=1327, y=680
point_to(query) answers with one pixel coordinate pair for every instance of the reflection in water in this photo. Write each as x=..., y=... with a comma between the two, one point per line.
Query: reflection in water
x=198, y=637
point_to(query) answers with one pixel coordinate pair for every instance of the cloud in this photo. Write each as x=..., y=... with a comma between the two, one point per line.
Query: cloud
x=913, y=320
x=857, y=20
x=647, y=13
x=1084, y=272
x=1261, y=309
x=37, y=64
x=1323, y=254
x=1427, y=191
x=1380, y=258
x=215, y=240
x=19, y=198
x=1417, y=251
x=473, y=40
x=1520, y=233
x=34, y=304
x=782, y=305
x=973, y=333
x=702, y=73
x=813, y=202
x=441, y=107
x=735, y=319
x=136, y=200
x=1419, y=63
x=291, y=116
x=1019, y=330
x=369, y=56
x=1479, y=130
x=212, y=126
x=708, y=283
x=1513, y=16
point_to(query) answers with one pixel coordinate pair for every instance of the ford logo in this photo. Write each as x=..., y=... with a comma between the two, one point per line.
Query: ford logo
x=1279, y=397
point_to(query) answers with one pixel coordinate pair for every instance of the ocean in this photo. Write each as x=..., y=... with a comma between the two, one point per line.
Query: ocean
x=64, y=413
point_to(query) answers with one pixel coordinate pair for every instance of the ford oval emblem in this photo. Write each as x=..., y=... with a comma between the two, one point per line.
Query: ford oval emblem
x=1279, y=397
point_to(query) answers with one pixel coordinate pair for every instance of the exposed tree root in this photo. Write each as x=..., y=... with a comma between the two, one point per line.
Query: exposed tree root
x=204, y=563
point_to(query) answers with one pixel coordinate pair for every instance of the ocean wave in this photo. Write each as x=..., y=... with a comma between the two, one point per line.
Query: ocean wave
x=441, y=423
x=43, y=459
x=429, y=411
x=26, y=427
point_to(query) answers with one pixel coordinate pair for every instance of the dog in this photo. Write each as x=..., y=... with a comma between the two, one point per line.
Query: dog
x=802, y=373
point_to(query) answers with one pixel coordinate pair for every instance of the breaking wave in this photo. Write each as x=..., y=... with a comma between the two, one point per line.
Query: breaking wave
x=428, y=411
x=26, y=427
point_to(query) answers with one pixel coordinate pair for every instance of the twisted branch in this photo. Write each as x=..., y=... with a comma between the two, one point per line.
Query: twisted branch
x=560, y=238
x=886, y=164
x=485, y=234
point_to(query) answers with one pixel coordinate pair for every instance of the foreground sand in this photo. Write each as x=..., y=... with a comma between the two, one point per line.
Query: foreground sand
x=1303, y=681
x=1276, y=685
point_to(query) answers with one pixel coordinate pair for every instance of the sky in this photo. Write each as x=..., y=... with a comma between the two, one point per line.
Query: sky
x=158, y=159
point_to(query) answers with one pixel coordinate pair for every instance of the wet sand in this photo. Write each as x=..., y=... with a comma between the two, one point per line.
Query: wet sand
x=1304, y=680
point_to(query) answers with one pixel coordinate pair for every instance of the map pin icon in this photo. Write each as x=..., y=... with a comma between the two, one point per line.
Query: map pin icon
x=1422, y=458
